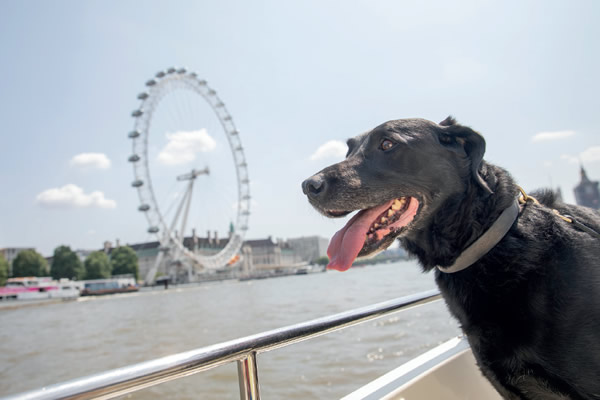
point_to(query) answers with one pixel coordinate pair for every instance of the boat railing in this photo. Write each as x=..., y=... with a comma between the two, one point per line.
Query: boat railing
x=120, y=381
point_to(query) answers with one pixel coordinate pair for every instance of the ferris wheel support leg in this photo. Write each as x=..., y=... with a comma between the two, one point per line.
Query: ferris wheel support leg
x=176, y=218
x=152, y=272
x=187, y=209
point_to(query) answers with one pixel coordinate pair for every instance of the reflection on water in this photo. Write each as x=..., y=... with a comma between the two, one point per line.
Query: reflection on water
x=53, y=343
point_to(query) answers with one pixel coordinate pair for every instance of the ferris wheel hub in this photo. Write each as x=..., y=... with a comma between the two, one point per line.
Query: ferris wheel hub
x=194, y=174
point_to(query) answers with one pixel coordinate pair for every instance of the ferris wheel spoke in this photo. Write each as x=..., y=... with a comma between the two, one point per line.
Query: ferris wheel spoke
x=193, y=113
x=174, y=200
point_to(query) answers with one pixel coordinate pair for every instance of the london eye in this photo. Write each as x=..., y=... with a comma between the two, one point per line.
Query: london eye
x=184, y=140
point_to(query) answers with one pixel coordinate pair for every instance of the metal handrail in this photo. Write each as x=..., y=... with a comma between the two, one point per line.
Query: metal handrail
x=120, y=381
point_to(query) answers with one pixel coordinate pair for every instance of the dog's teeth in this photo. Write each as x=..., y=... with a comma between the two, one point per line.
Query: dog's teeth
x=390, y=213
x=398, y=203
x=383, y=220
x=375, y=226
x=371, y=229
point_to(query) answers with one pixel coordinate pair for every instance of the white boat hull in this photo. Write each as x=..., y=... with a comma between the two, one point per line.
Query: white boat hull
x=447, y=372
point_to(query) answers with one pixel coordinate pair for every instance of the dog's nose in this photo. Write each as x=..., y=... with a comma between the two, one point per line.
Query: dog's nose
x=313, y=186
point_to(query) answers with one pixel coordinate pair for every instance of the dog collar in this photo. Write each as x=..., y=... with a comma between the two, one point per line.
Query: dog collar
x=486, y=242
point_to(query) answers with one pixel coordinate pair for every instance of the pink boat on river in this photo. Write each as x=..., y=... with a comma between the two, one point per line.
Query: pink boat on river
x=38, y=288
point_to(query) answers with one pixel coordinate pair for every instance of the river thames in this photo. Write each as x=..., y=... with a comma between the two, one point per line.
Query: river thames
x=52, y=343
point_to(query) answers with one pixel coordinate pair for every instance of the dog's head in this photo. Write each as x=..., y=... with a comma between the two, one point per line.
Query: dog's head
x=398, y=174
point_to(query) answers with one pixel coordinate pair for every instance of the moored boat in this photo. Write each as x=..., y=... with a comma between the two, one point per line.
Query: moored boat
x=100, y=287
x=38, y=288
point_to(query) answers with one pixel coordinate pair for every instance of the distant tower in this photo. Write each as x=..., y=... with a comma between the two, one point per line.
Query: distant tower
x=587, y=193
x=558, y=195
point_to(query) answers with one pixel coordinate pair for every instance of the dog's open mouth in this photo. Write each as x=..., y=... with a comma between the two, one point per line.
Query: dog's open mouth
x=370, y=230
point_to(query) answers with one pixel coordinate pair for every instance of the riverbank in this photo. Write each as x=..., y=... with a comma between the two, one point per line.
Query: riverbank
x=16, y=304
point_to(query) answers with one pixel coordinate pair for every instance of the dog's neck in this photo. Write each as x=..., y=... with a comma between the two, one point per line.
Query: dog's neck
x=461, y=219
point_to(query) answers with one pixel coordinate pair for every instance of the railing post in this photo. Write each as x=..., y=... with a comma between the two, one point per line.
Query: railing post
x=248, y=378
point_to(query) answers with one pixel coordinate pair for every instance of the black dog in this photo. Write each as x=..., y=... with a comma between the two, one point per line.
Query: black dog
x=528, y=301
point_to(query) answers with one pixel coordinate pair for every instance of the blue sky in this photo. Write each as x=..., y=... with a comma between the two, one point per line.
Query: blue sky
x=294, y=75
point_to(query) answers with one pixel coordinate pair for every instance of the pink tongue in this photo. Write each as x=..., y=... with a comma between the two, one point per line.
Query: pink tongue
x=347, y=242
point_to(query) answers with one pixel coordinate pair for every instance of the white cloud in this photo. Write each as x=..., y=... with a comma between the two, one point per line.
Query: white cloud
x=331, y=149
x=591, y=154
x=570, y=158
x=90, y=160
x=72, y=196
x=548, y=136
x=184, y=145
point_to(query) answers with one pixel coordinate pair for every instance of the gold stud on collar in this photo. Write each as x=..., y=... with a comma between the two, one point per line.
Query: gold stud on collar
x=524, y=198
x=569, y=220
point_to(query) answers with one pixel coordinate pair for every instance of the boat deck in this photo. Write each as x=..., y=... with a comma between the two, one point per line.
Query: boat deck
x=447, y=372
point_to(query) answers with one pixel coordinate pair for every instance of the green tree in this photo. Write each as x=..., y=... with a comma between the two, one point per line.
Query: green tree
x=124, y=261
x=321, y=260
x=29, y=263
x=97, y=266
x=3, y=270
x=66, y=264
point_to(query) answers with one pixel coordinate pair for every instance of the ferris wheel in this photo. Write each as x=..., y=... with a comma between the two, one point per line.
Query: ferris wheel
x=186, y=138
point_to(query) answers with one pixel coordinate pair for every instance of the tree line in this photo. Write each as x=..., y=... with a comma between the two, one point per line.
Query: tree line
x=66, y=264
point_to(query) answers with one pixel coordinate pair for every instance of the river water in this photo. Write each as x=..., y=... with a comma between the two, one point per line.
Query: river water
x=52, y=343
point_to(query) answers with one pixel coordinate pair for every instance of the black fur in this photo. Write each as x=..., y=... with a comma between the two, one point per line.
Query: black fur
x=531, y=306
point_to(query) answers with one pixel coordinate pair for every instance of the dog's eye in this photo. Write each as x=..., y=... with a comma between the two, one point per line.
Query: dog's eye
x=386, y=144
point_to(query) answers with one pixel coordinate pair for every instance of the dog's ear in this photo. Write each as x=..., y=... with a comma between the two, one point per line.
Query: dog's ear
x=454, y=135
x=448, y=121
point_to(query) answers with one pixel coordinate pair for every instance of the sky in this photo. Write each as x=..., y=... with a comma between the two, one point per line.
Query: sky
x=298, y=78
